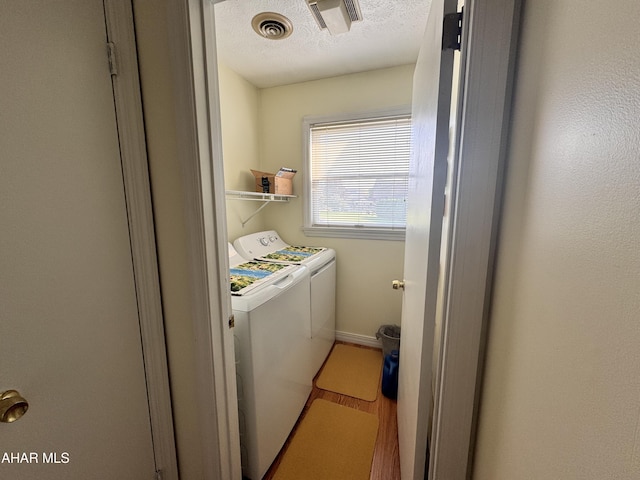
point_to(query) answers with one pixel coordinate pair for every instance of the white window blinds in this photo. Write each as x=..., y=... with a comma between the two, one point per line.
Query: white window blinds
x=359, y=173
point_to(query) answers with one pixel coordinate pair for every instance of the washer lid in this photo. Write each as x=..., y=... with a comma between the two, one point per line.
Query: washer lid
x=250, y=275
x=245, y=276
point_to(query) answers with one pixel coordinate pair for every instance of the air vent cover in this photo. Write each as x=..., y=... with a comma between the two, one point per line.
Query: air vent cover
x=335, y=15
x=272, y=25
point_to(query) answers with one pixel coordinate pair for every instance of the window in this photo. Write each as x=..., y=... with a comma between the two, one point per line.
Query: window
x=357, y=175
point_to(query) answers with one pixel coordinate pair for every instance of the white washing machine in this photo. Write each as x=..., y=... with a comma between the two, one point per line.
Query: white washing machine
x=321, y=263
x=271, y=306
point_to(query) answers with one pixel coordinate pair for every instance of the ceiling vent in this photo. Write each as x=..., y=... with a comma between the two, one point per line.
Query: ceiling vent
x=335, y=15
x=272, y=25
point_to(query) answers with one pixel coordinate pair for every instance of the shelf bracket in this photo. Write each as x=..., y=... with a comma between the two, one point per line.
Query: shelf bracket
x=266, y=198
x=244, y=222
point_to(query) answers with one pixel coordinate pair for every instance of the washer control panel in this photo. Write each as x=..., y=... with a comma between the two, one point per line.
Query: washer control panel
x=258, y=244
x=268, y=240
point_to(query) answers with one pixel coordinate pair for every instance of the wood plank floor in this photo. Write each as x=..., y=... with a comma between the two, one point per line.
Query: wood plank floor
x=386, y=459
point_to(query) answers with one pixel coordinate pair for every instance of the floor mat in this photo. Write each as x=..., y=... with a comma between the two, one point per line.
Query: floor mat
x=332, y=442
x=352, y=371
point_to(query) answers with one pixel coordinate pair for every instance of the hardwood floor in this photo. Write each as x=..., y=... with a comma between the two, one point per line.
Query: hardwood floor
x=386, y=457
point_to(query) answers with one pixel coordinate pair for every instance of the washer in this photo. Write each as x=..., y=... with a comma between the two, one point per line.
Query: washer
x=321, y=263
x=271, y=306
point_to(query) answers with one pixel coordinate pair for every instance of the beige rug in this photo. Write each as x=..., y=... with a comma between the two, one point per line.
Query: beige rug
x=352, y=371
x=333, y=442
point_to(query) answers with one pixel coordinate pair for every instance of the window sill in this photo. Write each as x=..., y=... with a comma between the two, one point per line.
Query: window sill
x=360, y=233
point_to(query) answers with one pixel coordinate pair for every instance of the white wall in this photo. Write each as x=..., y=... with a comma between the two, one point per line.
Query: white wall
x=561, y=397
x=365, y=268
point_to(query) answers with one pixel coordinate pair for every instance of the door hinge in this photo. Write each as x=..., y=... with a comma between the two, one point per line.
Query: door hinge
x=111, y=55
x=232, y=321
x=452, y=31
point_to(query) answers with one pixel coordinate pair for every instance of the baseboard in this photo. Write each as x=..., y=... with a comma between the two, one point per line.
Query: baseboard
x=358, y=339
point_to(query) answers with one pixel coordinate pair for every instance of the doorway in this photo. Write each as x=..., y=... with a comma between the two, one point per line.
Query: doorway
x=261, y=129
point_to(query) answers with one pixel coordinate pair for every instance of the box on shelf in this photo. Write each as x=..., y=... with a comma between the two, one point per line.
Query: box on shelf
x=280, y=183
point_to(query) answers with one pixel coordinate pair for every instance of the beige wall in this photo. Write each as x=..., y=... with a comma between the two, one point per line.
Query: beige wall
x=365, y=268
x=169, y=213
x=361, y=305
x=239, y=101
x=561, y=398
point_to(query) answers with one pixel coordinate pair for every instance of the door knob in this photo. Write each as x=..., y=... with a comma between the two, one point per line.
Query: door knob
x=12, y=406
x=398, y=284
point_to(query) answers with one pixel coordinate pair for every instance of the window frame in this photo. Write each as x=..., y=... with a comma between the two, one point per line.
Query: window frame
x=368, y=233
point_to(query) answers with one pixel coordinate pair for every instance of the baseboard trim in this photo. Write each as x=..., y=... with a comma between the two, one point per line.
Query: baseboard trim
x=358, y=339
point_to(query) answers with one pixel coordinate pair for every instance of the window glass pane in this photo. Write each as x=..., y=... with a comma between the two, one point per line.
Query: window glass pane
x=359, y=172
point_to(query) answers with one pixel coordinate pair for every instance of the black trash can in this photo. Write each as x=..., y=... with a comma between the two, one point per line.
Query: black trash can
x=390, y=336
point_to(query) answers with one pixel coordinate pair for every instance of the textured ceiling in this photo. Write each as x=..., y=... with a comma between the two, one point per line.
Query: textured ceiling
x=389, y=35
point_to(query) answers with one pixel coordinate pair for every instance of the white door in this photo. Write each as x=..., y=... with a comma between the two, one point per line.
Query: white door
x=425, y=207
x=69, y=334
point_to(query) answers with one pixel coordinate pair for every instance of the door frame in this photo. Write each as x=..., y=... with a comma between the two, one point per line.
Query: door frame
x=488, y=57
x=137, y=188
x=193, y=58
x=489, y=43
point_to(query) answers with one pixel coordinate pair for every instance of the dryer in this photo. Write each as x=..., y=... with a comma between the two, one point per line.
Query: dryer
x=271, y=307
x=321, y=264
